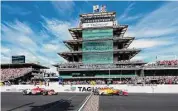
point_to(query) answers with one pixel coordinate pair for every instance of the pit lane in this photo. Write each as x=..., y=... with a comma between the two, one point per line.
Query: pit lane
x=139, y=102
x=62, y=102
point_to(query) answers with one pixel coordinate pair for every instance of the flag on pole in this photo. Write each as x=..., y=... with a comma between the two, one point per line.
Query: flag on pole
x=95, y=8
x=103, y=8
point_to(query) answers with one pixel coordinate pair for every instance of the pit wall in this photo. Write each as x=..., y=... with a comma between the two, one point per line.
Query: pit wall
x=88, y=88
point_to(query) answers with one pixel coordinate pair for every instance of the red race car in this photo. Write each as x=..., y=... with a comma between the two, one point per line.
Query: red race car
x=119, y=92
x=39, y=91
x=36, y=91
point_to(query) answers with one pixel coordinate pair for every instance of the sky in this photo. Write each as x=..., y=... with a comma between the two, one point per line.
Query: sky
x=37, y=29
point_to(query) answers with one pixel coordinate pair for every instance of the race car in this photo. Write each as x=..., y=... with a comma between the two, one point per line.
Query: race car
x=34, y=91
x=109, y=91
x=103, y=91
x=38, y=91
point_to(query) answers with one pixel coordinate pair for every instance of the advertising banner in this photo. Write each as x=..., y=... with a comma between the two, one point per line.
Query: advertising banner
x=97, y=24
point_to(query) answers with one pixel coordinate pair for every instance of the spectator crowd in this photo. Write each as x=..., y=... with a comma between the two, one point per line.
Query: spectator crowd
x=164, y=63
x=12, y=73
x=168, y=62
x=133, y=80
x=83, y=82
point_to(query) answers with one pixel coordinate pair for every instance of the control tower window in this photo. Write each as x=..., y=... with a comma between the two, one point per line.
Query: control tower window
x=120, y=46
x=75, y=48
x=76, y=59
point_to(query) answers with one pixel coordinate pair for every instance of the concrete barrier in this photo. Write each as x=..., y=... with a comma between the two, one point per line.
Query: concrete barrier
x=88, y=88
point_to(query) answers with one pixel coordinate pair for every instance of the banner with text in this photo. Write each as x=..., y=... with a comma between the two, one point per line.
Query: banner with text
x=97, y=24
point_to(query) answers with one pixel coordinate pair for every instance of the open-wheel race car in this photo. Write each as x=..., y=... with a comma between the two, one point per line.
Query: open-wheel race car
x=39, y=91
x=109, y=91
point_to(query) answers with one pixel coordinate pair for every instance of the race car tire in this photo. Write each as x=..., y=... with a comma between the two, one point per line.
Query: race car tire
x=24, y=92
x=120, y=93
x=45, y=93
x=30, y=93
x=56, y=93
x=102, y=94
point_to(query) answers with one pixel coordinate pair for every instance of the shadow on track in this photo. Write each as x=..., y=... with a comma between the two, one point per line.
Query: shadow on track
x=20, y=106
x=61, y=105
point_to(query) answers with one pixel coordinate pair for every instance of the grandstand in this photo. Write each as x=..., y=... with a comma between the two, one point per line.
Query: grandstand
x=99, y=50
x=21, y=72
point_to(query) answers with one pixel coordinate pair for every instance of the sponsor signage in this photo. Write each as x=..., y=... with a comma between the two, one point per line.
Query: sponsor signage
x=88, y=89
x=72, y=88
x=97, y=24
x=11, y=90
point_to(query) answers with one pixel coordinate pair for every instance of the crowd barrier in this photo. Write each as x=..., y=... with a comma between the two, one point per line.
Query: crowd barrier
x=88, y=88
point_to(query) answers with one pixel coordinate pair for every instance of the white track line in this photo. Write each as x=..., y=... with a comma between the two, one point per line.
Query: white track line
x=85, y=102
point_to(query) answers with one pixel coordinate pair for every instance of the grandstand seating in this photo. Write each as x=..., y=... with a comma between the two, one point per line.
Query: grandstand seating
x=133, y=80
x=168, y=62
x=12, y=73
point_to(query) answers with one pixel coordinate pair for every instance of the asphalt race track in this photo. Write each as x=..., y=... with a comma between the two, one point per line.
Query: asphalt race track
x=61, y=102
x=73, y=101
x=139, y=102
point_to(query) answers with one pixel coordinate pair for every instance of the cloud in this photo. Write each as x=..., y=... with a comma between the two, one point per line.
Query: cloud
x=18, y=38
x=125, y=17
x=15, y=10
x=5, y=59
x=20, y=34
x=131, y=18
x=30, y=56
x=156, y=33
x=51, y=47
x=55, y=47
x=146, y=43
x=160, y=22
x=138, y=58
x=5, y=50
x=127, y=10
x=64, y=7
x=58, y=28
x=161, y=52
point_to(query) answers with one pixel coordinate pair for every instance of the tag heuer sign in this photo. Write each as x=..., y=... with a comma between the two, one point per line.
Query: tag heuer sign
x=97, y=24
